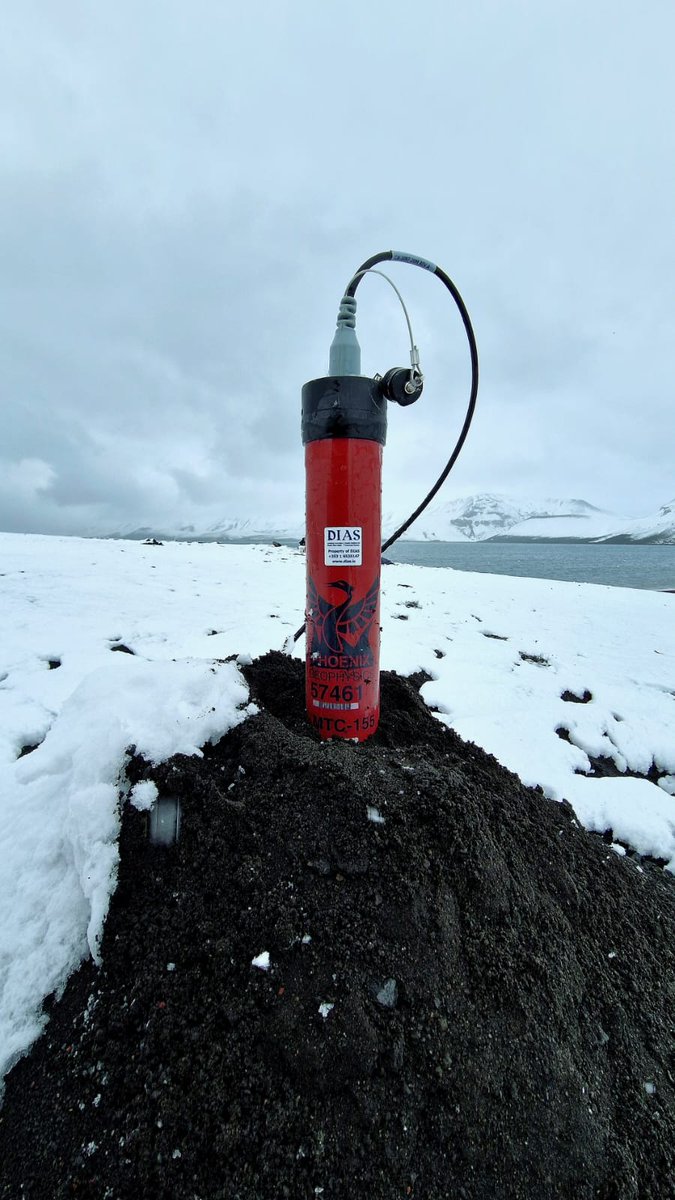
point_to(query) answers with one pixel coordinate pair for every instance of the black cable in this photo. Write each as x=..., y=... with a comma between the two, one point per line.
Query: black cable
x=384, y=256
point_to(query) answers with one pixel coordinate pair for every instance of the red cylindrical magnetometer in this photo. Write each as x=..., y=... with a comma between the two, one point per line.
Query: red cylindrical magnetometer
x=344, y=424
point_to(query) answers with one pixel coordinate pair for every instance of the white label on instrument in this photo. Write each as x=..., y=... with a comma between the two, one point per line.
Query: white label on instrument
x=401, y=256
x=342, y=545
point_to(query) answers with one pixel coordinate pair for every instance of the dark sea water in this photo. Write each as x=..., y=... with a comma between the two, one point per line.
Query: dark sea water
x=651, y=567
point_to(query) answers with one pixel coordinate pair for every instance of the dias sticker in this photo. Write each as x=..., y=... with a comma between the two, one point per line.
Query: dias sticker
x=342, y=546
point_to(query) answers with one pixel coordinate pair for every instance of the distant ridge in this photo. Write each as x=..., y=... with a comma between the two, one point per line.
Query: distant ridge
x=485, y=517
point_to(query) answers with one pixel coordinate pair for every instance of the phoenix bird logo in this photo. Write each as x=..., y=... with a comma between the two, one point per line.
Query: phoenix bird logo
x=342, y=627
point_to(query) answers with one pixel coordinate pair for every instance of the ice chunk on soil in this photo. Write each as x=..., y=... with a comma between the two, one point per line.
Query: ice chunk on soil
x=388, y=994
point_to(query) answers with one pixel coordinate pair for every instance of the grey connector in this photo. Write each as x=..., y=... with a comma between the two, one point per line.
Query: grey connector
x=345, y=352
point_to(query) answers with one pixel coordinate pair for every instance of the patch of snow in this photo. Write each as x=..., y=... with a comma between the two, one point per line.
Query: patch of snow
x=262, y=961
x=143, y=795
x=375, y=815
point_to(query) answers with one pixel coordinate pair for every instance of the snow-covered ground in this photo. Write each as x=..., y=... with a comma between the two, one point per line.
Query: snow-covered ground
x=501, y=652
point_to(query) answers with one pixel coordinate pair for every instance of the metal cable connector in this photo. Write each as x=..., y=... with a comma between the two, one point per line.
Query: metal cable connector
x=416, y=380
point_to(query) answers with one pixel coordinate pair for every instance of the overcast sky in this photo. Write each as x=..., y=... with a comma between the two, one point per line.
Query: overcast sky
x=186, y=189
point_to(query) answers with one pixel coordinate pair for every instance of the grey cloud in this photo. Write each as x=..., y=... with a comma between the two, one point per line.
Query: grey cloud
x=183, y=197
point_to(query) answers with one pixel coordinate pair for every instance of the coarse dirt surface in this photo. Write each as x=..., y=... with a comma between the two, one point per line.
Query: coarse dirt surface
x=468, y=995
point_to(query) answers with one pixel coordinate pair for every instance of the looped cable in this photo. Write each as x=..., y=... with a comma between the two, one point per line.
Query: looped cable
x=414, y=352
x=415, y=261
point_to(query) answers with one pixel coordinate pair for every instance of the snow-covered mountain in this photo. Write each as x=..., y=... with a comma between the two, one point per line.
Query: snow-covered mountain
x=487, y=517
x=479, y=518
x=594, y=525
x=658, y=529
x=229, y=529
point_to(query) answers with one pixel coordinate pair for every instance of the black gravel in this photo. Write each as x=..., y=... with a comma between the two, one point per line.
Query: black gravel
x=501, y=985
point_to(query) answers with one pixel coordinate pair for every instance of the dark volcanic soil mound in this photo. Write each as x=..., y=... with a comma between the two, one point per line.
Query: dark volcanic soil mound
x=468, y=995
